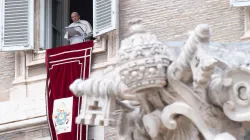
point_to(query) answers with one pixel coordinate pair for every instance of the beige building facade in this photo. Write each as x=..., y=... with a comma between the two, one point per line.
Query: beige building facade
x=23, y=73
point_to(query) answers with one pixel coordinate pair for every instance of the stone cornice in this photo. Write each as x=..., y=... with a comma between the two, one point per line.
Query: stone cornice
x=12, y=126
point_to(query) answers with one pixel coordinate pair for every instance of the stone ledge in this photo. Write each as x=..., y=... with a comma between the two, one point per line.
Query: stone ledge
x=39, y=132
x=30, y=79
x=22, y=124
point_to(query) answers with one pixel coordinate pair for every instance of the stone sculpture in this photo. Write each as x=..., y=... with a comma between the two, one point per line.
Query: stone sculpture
x=191, y=96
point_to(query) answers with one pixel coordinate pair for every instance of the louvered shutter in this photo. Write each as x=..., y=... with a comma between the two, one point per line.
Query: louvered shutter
x=17, y=25
x=238, y=3
x=104, y=16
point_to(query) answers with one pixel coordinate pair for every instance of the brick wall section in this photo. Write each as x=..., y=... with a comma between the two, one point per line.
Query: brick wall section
x=170, y=19
x=7, y=69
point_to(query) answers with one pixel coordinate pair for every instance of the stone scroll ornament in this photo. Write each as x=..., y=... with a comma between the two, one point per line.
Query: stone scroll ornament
x=191, y=96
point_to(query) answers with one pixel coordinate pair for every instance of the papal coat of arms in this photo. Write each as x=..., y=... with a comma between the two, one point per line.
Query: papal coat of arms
x=62, y=115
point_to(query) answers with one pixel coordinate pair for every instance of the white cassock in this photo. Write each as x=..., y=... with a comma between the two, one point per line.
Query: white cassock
x=80, y=38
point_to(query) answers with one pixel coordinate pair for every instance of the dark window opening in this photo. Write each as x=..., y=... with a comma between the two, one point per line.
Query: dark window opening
x=84, y=9
x=62, y=18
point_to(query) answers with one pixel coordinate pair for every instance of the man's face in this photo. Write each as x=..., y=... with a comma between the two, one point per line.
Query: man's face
x=74, y=17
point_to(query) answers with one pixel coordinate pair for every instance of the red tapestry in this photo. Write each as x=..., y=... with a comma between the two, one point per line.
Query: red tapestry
x=64, y=65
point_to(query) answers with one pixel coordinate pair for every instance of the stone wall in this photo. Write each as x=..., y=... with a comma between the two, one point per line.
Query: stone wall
x=172, y=19
x=33, y=133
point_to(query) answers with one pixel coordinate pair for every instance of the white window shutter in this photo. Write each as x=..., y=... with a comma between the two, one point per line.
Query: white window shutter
x=238, y=3
x=104, y=16
x=17, y=25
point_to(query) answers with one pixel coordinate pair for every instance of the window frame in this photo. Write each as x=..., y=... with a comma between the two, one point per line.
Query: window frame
x=46, y=28
x=237, y=3
x=42, y=22
x=246, y=5
x=246, y=23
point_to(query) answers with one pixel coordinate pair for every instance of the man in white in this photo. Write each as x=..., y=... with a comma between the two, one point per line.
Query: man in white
x=79, y=37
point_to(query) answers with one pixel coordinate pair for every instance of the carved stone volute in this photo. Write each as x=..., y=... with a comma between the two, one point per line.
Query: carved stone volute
x=231, y=92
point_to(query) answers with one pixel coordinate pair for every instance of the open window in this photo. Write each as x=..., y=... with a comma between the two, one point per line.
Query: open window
x=236, y=3
x=101, y=14
x=84, y=9
x=60, y=17
x=17, y=22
